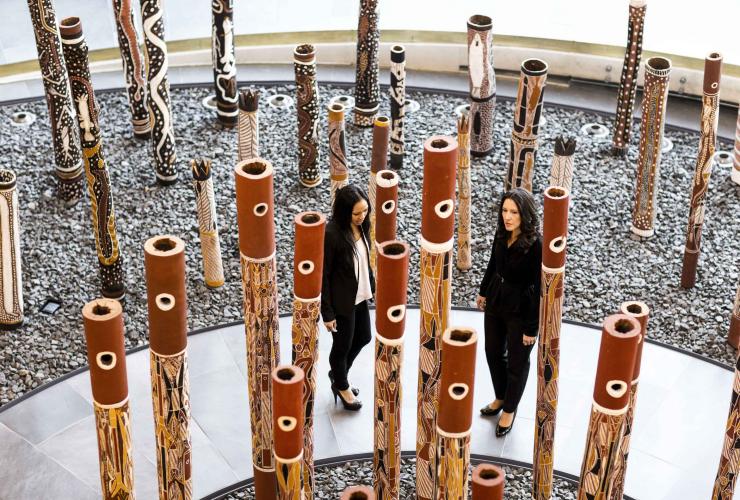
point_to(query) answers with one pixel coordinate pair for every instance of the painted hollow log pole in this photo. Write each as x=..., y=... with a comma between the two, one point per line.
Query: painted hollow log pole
x=110, y=261
x=338, y=167
x=703, y=169
x=67, y=153
x=224, y=62
x=158, y=95
x=482, y=82
x=205, y=205
x=554, y=244
x=308, y=265
x=640, y=311
x=133, y=67
x=256, y=221
x=367, y=89
x=437, y=239
x=488, y=482
x=164, y=272
x=387, y=206
x=11, y=277
x=358, y=493
x=628, y=81
x=248, y=145
x=378, y=162
x=398, y=103
x=307, y=104
x=390, y=324
x=733, y=337
x=106, y=356
x=735, y=175
x=729, y=461
x=561, y=172
x=455, y=412
x=527, y=112
x=287, y=420
x=619, y=338
x=655, y=95
x=464, y=258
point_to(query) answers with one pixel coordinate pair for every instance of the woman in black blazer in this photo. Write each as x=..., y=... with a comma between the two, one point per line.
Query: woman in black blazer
x=510, y=296
x=347, y=286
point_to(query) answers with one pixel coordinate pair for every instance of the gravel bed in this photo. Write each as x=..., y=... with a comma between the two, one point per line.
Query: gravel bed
x=331, y=480
x=605, y=264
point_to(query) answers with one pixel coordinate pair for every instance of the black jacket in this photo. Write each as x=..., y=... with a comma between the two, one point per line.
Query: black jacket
x=339, y=286
x=511, y=284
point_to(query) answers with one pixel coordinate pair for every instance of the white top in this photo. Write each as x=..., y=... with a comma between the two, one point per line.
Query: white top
x=364, y=292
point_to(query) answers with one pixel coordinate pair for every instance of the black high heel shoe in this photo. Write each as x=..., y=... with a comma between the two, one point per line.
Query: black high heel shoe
x=355, y=390
x=501, y=431
x=353, y=406
x=487, y=411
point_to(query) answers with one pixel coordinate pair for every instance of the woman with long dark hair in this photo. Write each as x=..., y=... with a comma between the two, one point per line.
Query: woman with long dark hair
x=347, y=286
x=510, y=296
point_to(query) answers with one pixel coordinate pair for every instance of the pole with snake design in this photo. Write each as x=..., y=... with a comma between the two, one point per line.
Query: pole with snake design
x=398, y=104
x=308, y=266
x=338, y=167
x=482, y=83
x=110, y=261
x=224, y=62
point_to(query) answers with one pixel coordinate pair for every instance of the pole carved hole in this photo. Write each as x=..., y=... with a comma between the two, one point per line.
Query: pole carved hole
x=458, y=391
x=443, y=209
x=106, y=360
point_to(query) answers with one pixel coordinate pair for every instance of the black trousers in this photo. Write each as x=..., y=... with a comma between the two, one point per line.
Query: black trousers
x=353, y=333
x=508, y=358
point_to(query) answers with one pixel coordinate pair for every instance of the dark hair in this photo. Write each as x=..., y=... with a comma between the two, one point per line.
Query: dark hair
x=344, y=201
x=530, y=222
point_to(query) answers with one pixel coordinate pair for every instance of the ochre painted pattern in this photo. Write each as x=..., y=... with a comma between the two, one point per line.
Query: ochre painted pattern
x=263, y=354
x=482, y=85
x=171, y=404
x=729, y=463
x=305, y=334
x=453, y=462
x=205, y=204
x=434, y=312
x=388, y=393
x=10, y=257
x=464, y=258
x=620, y=464
x=289, y=480
x=602, y=447
x=367, y=89
x=307, y=108
x=114, y=450
x=398, y=109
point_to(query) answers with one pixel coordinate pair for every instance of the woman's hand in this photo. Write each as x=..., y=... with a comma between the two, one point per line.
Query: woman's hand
x=480, y=301
x=331, y=325
x=527, y=340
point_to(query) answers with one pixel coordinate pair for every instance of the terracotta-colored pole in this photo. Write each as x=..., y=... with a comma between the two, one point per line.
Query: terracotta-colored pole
x=398, y=103
x=437, y=239
x=205, y=204
x=733, y=337
x=11, y=277
x=338, y=167
x=628, y=81
x=527, y=112
x=67, y=153
x=224, y=62
x=640, y=311
x=106, y=356
x=110, y=261
x=386, y=206
x=358, y=493
x=554, y=245
x=164, y=272
x=455, y=419
x=308, y=266
x=735, y=174
x=488, y=482
x=655, y=94
x=464, y=259
x=287, y=420
x=703, y=169
x=729, y=461
x=561, y=173
x=378, y=162
x=256, y=221
x=249, y=125
x=158, y=96
x=390, y=324
x=307, y=104
x=367, y=89
x=619, y=339
x=133, y=67
x=482, y=82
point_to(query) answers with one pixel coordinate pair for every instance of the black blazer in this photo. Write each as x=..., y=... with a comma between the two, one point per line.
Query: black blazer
x=339, y=286
x=511, y=284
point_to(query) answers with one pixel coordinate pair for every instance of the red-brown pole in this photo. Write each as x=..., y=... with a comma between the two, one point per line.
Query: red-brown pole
x=733, y=337
x=287, y=420
x=338, y=166
x=378, y=162
x=386, y=206
x=729, y=466
x=488, y=482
